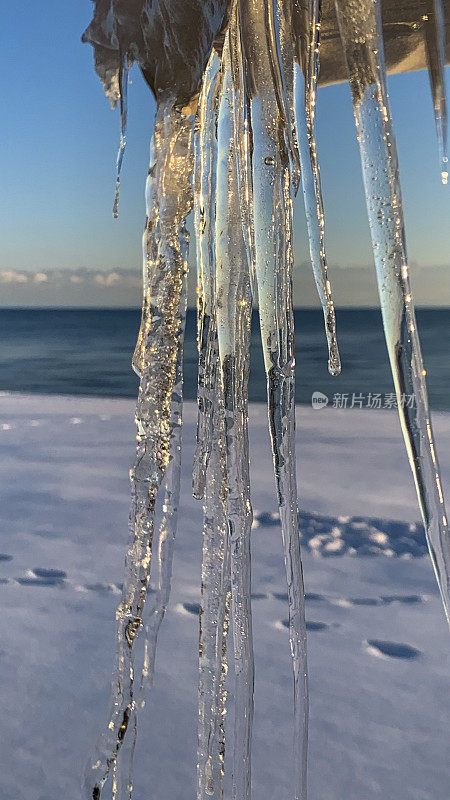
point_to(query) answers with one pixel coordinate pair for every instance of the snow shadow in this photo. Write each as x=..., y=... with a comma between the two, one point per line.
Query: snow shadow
x=357, y=536
x=377, y=647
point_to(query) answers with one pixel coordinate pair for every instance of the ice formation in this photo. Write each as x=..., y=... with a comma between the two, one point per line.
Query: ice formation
x=234, y=137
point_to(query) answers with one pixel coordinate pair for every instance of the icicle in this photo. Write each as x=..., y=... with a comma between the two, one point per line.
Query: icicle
x=434, y=29
x=360, y=27
x=160, y=356
x=204, y=181
x=210, y=479
x=279, y=77
x=166, y=540
x=123, y=94
x=272, y=231
x=306, y=42
x=149, y=256
x=255, y=123
x=284, y=21
x=167, y=532
x=243, y=146
x=233, y=310
x=215, y=602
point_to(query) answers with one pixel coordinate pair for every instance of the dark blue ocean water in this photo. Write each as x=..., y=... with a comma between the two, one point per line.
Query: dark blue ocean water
x=88, y=352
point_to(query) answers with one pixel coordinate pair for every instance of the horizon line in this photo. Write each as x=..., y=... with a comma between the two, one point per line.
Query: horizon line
x=352, y=307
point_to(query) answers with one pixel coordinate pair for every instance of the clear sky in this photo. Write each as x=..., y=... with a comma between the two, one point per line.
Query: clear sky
x=57, y=158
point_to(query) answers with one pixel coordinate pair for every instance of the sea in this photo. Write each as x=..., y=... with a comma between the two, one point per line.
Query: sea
x=88, y=352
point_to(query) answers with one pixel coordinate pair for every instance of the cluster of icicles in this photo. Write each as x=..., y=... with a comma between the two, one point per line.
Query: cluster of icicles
x=237, y=154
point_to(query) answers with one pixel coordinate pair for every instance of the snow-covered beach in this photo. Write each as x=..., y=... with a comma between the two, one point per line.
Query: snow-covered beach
x=378, y=642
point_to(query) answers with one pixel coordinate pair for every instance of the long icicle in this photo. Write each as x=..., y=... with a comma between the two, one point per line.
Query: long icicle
x=150, y=255
x=243, y=146
x=305, y=31
x=361, y=33
x=280, y=80
x=204, y=183
x=210, y=478
x=123, y=100
x=214, y=617
x=162, y=339
x=273, y=249
x=233, y=309
x=169, y=521
x=154, y=615
x=434, y=30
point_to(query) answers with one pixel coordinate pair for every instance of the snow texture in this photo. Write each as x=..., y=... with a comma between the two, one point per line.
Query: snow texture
x=377, y=642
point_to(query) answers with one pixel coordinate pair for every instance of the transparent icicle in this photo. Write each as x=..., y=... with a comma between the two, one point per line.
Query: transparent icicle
x=154, y=614
x=279, y=80
x=360, y=27
x=233, y=310
x=123, y=100
x=305, y=30
x=272, y=207
x=158, y=366
x=214, y=617
x=149, y=255
x=210, y=478
x=204, y=211
x=284, y=22
x=166, y=541
x=434, y=33
x=243, y=145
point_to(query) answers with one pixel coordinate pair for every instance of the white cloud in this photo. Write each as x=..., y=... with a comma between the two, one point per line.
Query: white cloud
x=352, y=286
x=71, y=287
x=12, y=276
x=109, y=279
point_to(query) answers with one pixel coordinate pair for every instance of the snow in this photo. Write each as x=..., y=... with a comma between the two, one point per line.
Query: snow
x=378, y=642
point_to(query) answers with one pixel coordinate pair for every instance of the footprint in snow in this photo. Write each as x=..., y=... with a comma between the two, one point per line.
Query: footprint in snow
x=29, y=581
x=310, y=597
x=407, y=599
x=385, y=600
x=192, y=608
x=52, y=574
x=103, y=588
x=43, y=577
x=310, y=625
x=382, y=649
x=365, y=601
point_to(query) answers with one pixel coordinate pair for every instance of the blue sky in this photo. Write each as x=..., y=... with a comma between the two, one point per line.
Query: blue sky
x=59, y=143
